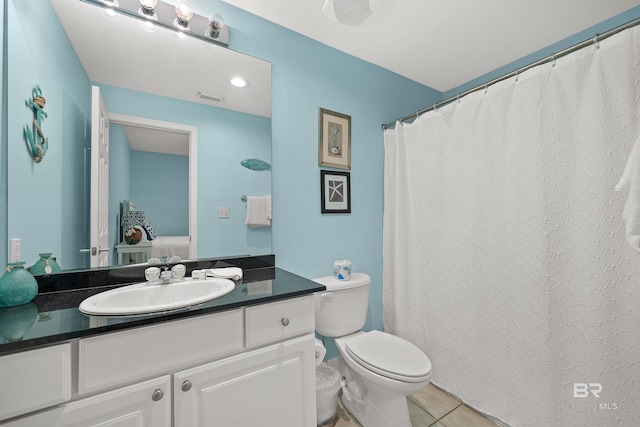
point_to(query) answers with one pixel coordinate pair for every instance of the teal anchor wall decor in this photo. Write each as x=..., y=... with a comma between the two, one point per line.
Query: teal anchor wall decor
x=38, y=144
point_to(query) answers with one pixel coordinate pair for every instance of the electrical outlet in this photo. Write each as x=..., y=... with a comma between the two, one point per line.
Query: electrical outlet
x=223, y=213
x=14, y=250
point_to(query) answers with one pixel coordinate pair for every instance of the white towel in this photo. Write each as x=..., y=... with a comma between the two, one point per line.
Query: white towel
x=630, y=182
x=258, y=211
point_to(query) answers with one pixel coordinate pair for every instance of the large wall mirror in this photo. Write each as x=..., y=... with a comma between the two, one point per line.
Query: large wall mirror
x=178, y=133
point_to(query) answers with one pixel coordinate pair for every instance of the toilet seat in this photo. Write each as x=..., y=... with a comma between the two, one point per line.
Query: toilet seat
x=389, y=356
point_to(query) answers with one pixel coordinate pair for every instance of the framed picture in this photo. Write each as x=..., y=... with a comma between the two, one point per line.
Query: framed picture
x=335, y=190
x=334, y=139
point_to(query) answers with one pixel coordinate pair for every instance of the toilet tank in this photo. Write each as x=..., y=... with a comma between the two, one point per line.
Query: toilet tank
x=342, y=308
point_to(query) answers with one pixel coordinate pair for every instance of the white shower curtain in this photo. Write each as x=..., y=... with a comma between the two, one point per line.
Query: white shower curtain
x=505, y=258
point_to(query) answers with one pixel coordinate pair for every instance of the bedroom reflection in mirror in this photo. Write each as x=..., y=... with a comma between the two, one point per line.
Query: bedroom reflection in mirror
x=140, y=242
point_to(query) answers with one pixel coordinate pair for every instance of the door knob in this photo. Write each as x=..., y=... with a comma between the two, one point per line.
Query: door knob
x=94, y=250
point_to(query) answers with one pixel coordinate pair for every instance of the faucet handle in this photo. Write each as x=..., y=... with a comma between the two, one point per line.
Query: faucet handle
x=152, y=274
x=178, y=271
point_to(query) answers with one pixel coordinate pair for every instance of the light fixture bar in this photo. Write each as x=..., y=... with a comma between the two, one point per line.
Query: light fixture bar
x=210, y=97
x=199, y=26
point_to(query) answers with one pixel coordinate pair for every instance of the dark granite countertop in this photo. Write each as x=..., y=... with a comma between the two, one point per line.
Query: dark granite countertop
x=53, y=316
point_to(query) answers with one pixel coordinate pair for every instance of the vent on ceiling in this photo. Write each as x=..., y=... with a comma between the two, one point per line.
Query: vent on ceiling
x=210, y=97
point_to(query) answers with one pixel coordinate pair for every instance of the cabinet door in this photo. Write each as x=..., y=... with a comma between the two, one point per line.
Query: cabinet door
x=270, y=386
x=146, y=404
x=34, y=380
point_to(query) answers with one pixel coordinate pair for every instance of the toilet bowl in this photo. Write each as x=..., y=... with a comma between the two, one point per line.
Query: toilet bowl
x=379, y=369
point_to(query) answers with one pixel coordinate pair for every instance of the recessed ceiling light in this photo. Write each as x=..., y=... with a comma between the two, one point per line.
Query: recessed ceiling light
x=238, y=82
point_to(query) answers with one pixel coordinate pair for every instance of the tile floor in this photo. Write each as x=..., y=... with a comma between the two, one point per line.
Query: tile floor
x=429, y=407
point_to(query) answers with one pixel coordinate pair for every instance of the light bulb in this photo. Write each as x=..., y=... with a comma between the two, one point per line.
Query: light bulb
x=216, y=22
x=146, y=9
x=148, y=4
x=184, y=12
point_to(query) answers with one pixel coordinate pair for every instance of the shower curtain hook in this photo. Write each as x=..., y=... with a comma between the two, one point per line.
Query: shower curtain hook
x=553, y=58
x=596, y=41
x=458, y=98
x=486, y=89
x=517, y=74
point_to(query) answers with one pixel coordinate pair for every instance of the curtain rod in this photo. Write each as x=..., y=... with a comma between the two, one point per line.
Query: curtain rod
x=595, y=40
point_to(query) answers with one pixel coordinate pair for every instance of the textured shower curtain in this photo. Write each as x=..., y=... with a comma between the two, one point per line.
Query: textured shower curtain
x=505, y=257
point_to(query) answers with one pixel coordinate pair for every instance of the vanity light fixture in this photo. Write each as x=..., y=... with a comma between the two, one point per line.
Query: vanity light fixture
x=184, y=13
x=176, y=15
x=238, y=82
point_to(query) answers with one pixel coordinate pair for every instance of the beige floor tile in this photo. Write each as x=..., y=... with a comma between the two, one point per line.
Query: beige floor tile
x=434, y=401
x=463, y=416
x=343, y=418
x=419, y=418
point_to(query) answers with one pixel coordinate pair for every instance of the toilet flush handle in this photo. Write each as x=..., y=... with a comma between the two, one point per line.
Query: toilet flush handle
x=327, y=295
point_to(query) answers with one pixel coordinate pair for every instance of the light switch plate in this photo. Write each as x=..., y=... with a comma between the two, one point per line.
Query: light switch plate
x=223, y=213
x=14, y=250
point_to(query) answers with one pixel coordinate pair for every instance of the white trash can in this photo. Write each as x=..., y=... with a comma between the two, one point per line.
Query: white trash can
x=327, y=388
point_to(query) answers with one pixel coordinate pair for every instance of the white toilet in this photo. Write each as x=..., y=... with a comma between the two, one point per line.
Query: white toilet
x=379, y=369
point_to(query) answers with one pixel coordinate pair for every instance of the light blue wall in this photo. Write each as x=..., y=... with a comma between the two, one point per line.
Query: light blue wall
x=160, y=187
x=587, y=34
x=4, y=241
x=42, y=201
x=225, y=138
x=307, y=75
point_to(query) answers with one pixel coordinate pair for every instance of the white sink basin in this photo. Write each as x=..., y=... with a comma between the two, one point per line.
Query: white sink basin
x=142, y=298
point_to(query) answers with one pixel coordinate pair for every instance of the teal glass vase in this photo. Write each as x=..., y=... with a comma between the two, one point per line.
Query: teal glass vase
x=15, y=322
x=17, y=286
x=45, y=265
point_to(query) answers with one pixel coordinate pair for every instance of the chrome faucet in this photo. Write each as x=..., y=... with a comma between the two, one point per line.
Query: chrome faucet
x=165, y=275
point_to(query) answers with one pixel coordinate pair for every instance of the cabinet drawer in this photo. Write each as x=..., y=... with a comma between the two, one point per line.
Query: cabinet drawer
x=124, y=357
x=276, y=321
x=34, y=379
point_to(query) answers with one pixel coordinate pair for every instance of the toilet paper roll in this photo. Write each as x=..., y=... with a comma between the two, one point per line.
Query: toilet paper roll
x=342, y=269
x=320, y=351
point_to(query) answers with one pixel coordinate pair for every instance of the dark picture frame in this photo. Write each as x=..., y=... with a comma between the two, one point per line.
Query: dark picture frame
x=335, y=192
x=334, y=139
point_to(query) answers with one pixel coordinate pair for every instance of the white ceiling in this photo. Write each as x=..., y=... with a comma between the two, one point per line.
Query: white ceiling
x=443, y=44
x=157, y=140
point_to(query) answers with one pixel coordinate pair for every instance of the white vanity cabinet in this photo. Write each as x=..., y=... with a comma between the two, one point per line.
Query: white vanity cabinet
x=251, y=366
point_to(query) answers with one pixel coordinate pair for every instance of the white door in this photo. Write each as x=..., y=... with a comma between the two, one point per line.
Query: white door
x=99, y=181
x=146, y=404
x=270, y=387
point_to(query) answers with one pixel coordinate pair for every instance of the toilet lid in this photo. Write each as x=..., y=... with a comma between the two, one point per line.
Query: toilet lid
x=390, y=356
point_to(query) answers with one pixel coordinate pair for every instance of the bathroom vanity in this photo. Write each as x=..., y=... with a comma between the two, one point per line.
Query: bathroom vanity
x=245, y=359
